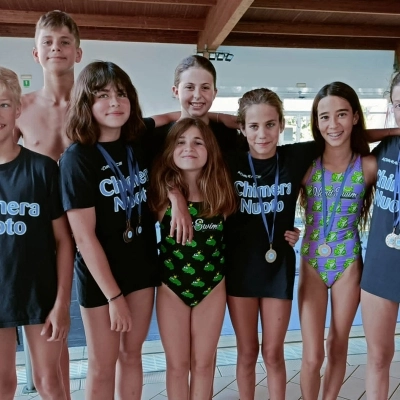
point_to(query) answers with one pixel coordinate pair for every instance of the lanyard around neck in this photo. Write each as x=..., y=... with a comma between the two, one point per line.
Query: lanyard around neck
x=270, y=235
x=328, y=227
x=396, y=195
x=126, y=188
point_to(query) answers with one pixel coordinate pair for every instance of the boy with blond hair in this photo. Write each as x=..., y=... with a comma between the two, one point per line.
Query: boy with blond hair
x=41, y=124
x=36, y=259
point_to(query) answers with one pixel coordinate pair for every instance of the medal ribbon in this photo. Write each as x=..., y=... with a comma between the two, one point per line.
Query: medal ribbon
x=270, y=236
x=396, y=195
x=328, y=228
x=126, y=188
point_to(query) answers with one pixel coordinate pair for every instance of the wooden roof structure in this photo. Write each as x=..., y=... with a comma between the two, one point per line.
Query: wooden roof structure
x=339, y=24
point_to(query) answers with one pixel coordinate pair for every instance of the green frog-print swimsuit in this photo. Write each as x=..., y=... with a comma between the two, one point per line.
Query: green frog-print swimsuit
x=193, y=270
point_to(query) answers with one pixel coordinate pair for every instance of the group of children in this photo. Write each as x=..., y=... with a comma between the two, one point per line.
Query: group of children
x=225, y=203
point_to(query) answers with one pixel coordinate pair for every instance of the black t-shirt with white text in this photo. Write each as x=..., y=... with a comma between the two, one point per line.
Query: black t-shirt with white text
x=87, y=181
x=248, y=274
x=29, y=202
x=381, y=273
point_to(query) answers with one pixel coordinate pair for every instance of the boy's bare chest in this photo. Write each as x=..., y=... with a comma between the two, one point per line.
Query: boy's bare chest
x=43, y=130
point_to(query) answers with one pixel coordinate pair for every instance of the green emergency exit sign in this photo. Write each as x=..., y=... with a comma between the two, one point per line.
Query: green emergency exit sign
x=26, y=83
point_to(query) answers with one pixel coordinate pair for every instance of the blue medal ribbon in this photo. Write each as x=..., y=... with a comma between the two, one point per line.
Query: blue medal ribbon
x=270, y=235
x=328, y=227
x=126, y=189
x=396, y=195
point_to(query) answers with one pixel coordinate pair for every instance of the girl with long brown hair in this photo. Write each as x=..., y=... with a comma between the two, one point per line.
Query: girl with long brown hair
x=191, y=300
x=337, y=194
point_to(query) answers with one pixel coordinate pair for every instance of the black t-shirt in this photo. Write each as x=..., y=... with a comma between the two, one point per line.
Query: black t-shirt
x=248, y=274
x=87, y=181
x=227, y=138
x=29, y=202
x=381, y=274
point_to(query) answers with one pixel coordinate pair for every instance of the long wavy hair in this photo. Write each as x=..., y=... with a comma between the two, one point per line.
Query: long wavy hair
x=358, y=141
x=214, y=180
x=80, y=124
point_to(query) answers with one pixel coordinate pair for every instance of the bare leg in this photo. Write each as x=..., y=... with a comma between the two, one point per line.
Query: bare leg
x=45, y=364
x=129, y=378
x=275, y=314
x=206, y=324
x=8, y=376
x=379, y=319
x=345, y=297
x=244, y=317
x=103, y=347
x=313, y=300
x=173, y=317
x=64, y=362
x=215, y=366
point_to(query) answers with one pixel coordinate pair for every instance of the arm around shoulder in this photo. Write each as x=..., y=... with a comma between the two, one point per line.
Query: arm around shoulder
x=376, y=135
x=181, y=221
x=230, y=121
x=165, y=119
x=370, y=169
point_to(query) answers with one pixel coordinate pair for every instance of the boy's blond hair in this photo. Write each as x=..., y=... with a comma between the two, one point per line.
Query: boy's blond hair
x=56, y=20
x=9, y=81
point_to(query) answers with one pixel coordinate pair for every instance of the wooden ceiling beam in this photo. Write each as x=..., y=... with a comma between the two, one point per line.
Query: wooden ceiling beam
x=310, y=42
x=309, y=29
x=219, y=22
x=109, y=21
x=387, y=7
x=207, y=3
x=109, y=34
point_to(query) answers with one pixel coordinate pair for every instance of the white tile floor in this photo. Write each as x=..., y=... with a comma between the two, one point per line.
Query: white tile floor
x=225, y=387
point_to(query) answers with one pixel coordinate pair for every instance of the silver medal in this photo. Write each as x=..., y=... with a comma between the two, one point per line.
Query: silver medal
x=389, y=240
x=324, y=250
x=396, y=242
x=128, y=234
x=270, y=255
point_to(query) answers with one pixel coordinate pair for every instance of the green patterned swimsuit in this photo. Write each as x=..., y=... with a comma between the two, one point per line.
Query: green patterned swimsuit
x=344, y=238
x=192, y=270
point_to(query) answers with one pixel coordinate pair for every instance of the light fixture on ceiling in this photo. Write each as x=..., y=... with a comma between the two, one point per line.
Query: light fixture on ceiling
x=216, y=55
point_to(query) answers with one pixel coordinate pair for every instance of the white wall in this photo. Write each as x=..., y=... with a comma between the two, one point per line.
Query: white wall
x=151, y=67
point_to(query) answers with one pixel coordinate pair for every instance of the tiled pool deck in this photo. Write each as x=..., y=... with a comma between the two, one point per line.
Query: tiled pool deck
x=225, y=387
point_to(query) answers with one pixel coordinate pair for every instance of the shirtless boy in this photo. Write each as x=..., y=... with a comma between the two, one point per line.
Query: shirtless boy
x=43, y=111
